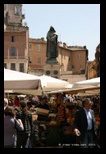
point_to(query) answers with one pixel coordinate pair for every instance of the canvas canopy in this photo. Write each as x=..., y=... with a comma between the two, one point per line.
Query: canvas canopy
x=82, y=86
x=14, y=80
x=25, y=83
x=49, y=83
x=74, y=90
x=89, y=93
x=25, y=92
x=87, y=83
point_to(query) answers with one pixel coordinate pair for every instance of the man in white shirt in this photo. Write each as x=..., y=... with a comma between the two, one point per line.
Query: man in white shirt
x=85, y=125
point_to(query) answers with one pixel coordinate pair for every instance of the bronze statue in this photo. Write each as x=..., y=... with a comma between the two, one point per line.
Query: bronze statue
x=52, y=46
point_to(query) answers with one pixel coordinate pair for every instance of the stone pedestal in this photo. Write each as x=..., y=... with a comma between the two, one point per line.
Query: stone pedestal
x=52, y=70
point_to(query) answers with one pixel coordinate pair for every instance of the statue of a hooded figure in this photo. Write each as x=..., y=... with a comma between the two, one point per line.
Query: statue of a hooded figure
x=52, y=46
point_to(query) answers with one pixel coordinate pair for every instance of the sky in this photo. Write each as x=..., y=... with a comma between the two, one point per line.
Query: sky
x=75, y=24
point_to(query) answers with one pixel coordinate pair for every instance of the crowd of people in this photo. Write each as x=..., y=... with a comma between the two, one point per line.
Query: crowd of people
x=21, y=131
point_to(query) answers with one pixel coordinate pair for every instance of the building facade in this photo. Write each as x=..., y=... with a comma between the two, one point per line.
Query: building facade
x=72, y=59
x=93, y=69
x=15, y=38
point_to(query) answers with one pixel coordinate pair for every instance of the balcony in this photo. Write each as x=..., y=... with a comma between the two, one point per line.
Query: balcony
x=15, y=57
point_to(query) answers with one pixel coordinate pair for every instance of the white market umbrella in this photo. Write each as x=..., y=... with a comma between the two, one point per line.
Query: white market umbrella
x=49, y=83
x=14, y=80
x=26, y=83
x=87, y=83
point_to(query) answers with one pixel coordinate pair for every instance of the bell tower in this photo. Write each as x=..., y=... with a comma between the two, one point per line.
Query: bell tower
x=13, y=14
x=16, y=36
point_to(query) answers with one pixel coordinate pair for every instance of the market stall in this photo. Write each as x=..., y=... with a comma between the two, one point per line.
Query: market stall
x=23, y=83
x=89, y=88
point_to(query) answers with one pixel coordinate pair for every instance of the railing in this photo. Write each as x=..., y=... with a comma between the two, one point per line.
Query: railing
x=15, y=57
